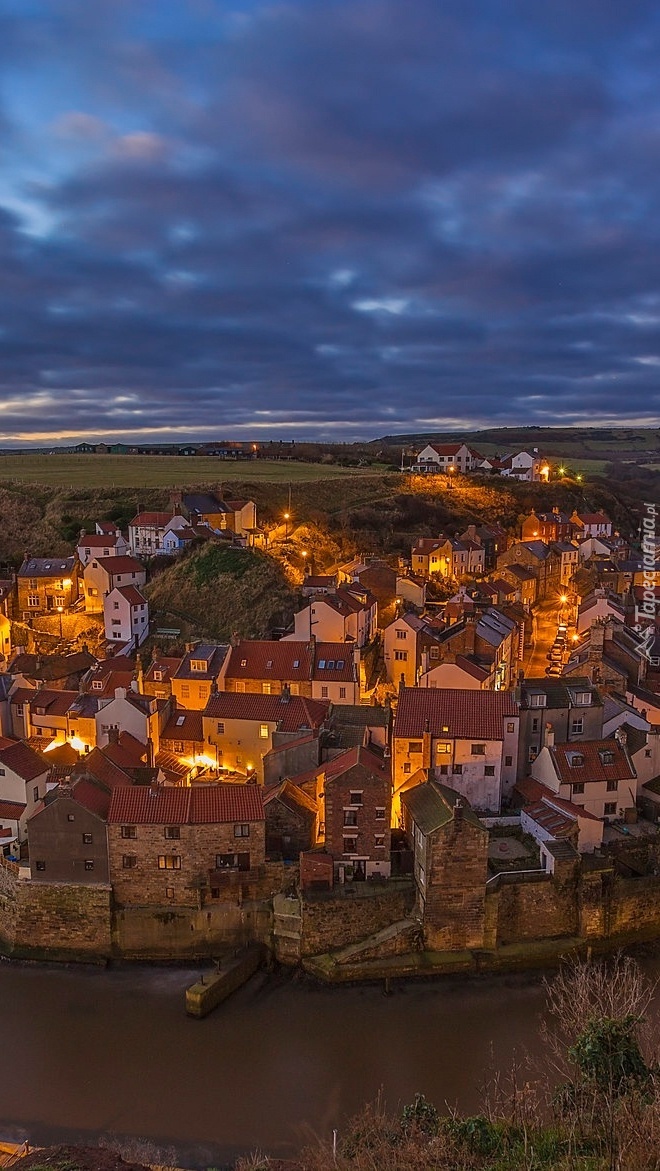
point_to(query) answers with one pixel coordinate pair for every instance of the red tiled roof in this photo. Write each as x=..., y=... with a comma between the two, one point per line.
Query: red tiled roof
x=152, y=518
x=128, y=753
x=593, y=768
x=103, y=769
x=92, y=797
x=98, y=540
x=201, y=805
x=56, y=703
x=166, y=665
x=378, y=765
x=593, y=518
x=291, y=716
x=23, y=760
x=131, y=593
x=338, y=653
x=184, y=725
x=266, y=659
x=291, y=796
x=471, y=668
x=466, y=713
x=11, y=810
x=117, y=565
x=533, y=791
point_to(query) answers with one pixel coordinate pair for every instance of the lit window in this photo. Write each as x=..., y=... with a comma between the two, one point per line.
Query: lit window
x=169, y=862
x=263, y=731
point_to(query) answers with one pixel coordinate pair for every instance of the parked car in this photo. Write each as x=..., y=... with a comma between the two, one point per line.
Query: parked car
x=553, y=669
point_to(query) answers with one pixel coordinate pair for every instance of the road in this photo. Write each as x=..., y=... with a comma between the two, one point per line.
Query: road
x=546, y=618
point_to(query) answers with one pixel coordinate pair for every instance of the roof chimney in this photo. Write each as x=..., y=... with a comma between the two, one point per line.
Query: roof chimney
x=549, y=737
x=457, y=811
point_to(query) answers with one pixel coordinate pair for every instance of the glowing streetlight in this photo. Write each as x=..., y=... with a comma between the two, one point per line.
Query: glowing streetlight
x=578, y=477
x=286, y=524
x=562, y=471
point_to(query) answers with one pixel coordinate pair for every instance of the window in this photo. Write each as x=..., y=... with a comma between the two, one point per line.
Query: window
x=350, y=845
x=220, y=728
x=89, y=864
x=265, y=688
x=444, y=770
x=609, y=808
x=241, y=830
x=355, y=797
x=324, y=693
x=87, y=839
x=537, y=700
x=158, y=675
x=185, y=691
x=578, y=787
x=115, y=605
x=197, y=665
x=33, y=599
x=606, y=757
x=443, y=748
x=402, y=633
x=478, y=750
x=177, y=746
x=129, y=861
x=612, y=786
x=172, y=832
x=583, y=698
x=511, y=727
x=489, y=770
x=35, y=793
x=169, y=862
x=407, y=767
x=342, y=693
x=40, y=865
x=577, y=726
x=350, y=817
x=508, y=761
x=414, y=746
x=97, y=685
x=576, y=760
x=380, y=813
x=401, y=656
x=379, y=841
x=71, y=817
x=129, y=831
x=457, y=769
x=33, y=584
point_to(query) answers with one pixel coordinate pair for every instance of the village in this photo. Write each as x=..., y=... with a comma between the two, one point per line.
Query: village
x=405, y=776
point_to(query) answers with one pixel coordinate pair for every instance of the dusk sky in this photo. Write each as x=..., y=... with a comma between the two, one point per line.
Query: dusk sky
x=327, y=218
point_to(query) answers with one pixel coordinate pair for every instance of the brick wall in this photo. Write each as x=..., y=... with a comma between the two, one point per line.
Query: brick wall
x=456, y=870
x=375, y=793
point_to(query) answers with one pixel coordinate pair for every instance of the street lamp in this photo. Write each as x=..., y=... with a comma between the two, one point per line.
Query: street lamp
x=286, y=525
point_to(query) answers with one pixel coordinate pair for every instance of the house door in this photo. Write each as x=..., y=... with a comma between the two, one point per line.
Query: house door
x=359, y=870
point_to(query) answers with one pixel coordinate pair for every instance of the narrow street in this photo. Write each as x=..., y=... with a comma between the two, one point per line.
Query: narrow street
x=546, y=618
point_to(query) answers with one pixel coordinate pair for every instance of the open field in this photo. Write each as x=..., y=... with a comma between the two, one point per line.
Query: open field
x=159, y=471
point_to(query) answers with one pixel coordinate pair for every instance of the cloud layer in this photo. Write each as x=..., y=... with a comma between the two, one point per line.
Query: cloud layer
x=327, y=217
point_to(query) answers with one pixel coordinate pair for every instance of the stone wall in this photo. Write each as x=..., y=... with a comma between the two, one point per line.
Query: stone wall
x=59, y=921
x=535, y=910
x=331, y=923
x=187, y=933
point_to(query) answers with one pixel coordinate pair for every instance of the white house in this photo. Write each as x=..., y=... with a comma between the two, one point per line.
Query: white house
x=525, y=465
x=597, y=775
x=126, y=615
x=23, y=778
x=104, y=574
x=142, y=716
x=101, y=545
x=348, y=615
x=446, y=457
x=147, y=529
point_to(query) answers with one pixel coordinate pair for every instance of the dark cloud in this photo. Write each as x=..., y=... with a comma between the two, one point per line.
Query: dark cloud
x=340, y=217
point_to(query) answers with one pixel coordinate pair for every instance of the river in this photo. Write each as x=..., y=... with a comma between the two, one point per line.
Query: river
x=89, y=1052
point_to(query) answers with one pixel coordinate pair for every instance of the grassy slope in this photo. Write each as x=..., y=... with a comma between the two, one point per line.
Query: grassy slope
x=154, y=471
x=221, y=591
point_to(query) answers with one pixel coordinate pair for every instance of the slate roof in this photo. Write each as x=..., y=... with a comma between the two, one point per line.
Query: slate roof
x=362, y=714
x=47, y=567
x=49, y=667
x=200, y=805
x=431, y=806
x=467, y=714
x=558, y=691
x=213, y=654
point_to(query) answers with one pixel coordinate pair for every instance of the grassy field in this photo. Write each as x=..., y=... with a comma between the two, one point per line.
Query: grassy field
x=159, y=471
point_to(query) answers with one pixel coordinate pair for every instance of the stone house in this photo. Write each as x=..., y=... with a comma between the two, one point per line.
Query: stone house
x=492, y=539
x=450, y=864
x=547, y=526
x=69, y=835
x=316, y=670
x=46, y=585
x=157, y=680
x=291, y=821
x=538, y=557
x=183, y=735
x=169, y=846
x=468, y=737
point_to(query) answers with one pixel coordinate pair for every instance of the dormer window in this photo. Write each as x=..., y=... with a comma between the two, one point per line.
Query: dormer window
x=197, y=665
x=180, y=720
x=606, y=756
x=538, y=699
x=97, y=685
x=158, y=675
x=583, y=698
x=576, y=759
x=243, y=662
